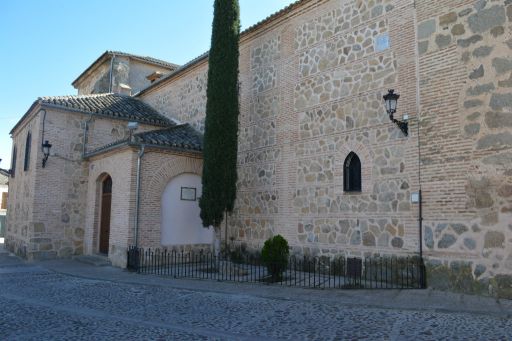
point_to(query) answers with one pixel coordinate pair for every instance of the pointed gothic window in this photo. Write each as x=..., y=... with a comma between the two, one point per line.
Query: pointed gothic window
x=352, y=173
x=27, y=151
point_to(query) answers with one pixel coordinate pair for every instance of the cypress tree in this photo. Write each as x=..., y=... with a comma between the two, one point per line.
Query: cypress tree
x=222, y=110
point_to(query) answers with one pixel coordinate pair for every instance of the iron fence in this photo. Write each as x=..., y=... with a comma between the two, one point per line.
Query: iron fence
x=317, y=272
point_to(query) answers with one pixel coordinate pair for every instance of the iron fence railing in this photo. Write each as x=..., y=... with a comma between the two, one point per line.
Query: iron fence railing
x=317, y=272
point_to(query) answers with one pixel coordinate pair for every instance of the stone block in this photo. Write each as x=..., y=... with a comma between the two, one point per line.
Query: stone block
x=480, y=89
x=495, y=141
x=458, y=30
x=458, y=277
x=472, y=129
x=482, y=51
x=443, y=40
x=470, y=243
x=465, y=12
x=497, y=31
x=477, y=73
x=479, y=270
x=447, y=19
x=498, y=119
x=469, y=41
x=472, y=103
x=494, y=239
x=446, y=241
x=483, y=199
x=498, y=159
x=40, y=240
x=397, y=242
x=383, y=240
x=480, y=5
x=500, y=101
x=368, y=239
x=486, y=19
x=422, y=47
x=377, y=10
x=428, y=237
x=473, y=116
x=426, y=28
x=503, y=286
x=505, y=191
x=355, y=238
x=39, y=228
x=502, y=65
x=459, y=228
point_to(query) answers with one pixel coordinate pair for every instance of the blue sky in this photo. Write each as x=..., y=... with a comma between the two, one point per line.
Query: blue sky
x=45, y=45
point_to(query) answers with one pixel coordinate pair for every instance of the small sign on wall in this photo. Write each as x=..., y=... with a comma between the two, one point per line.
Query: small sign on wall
x=188, y=193
x=382, y=42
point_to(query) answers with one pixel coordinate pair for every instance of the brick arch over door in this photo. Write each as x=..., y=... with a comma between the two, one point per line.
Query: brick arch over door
x=170, y=169
x=366, y=162
x=158, y=172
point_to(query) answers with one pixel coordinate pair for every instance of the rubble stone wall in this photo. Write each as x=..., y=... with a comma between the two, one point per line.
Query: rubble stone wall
x=311, y=93
x=466, y=131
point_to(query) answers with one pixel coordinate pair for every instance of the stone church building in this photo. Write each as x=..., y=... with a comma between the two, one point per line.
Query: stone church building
x=320, y=162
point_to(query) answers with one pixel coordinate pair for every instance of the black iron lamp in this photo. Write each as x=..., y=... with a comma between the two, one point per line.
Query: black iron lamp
x=391, y=100
x=46, y=151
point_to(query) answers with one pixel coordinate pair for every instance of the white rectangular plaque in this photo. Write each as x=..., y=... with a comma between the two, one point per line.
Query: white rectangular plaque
x=188, y=193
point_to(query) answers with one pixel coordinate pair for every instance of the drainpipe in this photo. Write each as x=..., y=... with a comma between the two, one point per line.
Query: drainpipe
x=42, y=134
x=137, y=196
x=111, y=71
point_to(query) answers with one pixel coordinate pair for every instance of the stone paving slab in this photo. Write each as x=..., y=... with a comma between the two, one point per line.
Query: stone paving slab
x=63, y=300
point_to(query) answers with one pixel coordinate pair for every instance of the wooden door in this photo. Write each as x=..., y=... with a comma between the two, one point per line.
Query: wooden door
x=106, y=201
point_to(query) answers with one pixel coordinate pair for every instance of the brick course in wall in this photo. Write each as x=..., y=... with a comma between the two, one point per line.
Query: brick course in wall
x=312, y=83
x=311, y=86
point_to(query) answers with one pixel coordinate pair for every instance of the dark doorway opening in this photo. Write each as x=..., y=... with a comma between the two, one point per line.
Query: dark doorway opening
x=106, y=202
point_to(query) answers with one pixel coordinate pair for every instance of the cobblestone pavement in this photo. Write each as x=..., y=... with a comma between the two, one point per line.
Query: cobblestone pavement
x=38, y=304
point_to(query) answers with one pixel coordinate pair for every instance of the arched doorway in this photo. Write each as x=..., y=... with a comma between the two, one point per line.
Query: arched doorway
x=180, y=220
x=106, y=202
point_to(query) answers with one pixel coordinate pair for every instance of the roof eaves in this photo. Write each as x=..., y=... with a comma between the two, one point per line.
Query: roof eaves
x=274, y=16
x=99, y=114
x=107, y=148
x=5, y=172
x=128, y=143
x=177, y=72
x=250, y=29
x=22, y=119
x=150, y=60
x=94, y=64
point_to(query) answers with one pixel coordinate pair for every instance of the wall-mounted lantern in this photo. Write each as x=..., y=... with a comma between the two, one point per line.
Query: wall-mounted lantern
x=46, y=151
x=391, y=100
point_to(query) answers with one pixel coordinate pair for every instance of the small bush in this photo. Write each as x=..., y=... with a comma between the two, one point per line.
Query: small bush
x=275, y=255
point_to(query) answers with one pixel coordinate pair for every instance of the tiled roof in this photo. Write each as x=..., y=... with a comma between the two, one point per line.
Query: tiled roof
x=107, y=54
x=273, y=16
x=114, y=106
x=146, y=59
x=181, y=137
x=110, y=105
x=4, y=176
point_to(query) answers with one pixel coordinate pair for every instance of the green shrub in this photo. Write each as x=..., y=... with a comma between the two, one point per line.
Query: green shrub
x=275, y=255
